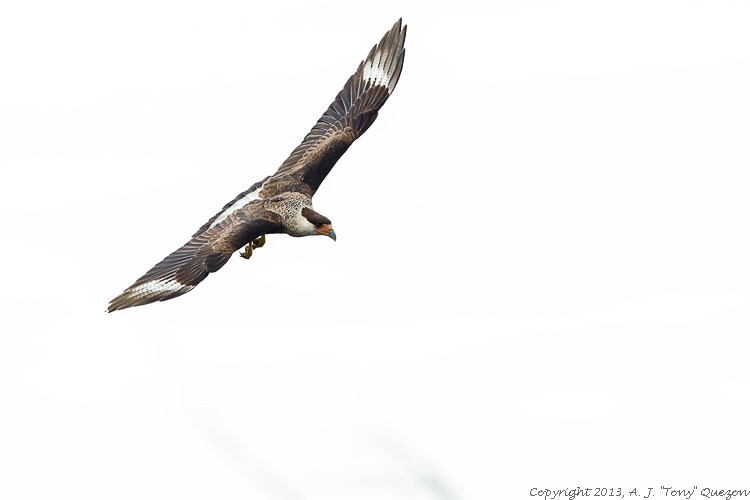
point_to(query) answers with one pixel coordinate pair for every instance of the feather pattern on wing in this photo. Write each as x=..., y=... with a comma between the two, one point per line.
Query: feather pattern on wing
x=348, y=117
x=238, y=202
x=205, y=253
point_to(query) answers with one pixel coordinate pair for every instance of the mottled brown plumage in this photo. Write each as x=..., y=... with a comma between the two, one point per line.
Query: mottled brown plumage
x=281, y=203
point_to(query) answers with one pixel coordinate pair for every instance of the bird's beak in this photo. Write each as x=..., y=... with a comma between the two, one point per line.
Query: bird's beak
x=326, y=229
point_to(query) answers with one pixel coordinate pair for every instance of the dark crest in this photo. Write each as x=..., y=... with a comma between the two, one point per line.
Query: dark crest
x=314, y=217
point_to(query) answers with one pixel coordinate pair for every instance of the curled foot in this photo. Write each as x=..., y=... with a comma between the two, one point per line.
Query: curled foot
x=256, y=243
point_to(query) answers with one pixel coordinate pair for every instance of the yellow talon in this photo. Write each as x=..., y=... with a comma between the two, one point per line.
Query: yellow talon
x=259, y=241
x=248, y=252
x=256, y=243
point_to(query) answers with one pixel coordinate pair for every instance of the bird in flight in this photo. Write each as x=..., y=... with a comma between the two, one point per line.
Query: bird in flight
x=282, y=202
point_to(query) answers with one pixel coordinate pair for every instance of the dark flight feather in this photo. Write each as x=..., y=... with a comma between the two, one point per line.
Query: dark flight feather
x=205, y=253
x=348, y=117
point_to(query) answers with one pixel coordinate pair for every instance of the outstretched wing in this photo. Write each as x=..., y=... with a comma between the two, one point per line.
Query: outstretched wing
x=348, y=117
x=206, y=252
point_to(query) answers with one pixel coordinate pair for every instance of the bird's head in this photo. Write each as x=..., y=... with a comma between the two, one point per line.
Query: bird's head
x=321, y=224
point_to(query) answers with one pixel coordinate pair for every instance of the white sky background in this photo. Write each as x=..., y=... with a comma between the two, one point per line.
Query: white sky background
x=541, y=277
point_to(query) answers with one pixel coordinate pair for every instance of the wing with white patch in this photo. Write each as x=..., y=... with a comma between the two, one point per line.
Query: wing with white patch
x=241, y=200
x=205, y=253
x=348, y=117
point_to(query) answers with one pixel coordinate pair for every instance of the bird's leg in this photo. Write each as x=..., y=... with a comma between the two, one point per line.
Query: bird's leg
x=256, y=243
x=259, y=241
x=248, y=251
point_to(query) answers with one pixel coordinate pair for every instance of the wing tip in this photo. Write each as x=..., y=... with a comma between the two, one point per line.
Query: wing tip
x=148, y=293
x=382, y=66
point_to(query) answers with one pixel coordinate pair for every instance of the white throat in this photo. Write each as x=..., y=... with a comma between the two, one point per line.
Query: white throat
x=299, y=225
